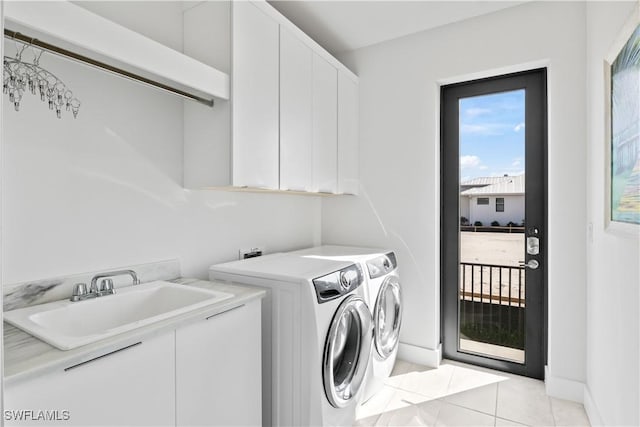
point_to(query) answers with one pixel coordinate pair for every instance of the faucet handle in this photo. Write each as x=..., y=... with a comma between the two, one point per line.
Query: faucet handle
x=79, y=291
x=106, y=286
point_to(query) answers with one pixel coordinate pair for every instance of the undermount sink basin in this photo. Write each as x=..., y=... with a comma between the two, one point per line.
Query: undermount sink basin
x=67, y=325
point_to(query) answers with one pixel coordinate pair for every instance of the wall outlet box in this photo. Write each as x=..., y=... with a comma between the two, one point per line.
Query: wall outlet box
x=250, y=253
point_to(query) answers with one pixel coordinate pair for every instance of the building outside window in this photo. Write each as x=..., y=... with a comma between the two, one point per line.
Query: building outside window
x=478, y=195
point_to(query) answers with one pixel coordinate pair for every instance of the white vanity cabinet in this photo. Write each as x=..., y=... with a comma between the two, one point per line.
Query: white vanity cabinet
x=218, y=372
x=133, y=385
x=205, y=373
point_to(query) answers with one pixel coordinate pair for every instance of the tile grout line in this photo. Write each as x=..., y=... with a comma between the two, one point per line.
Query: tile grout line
x=495, y=413
x=553, y=414
x=464, y=407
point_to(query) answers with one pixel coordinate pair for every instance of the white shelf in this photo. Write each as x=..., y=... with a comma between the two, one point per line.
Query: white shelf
x=80, y=31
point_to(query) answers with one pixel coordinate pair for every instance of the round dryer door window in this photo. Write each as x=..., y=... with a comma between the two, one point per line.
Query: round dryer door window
x=387, y=314
x=347, y=350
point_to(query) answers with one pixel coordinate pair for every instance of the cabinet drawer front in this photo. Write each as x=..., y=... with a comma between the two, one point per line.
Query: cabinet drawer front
x=218, y=370
x=135, y=386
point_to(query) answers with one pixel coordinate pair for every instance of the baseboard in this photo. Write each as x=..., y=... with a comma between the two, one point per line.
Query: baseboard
x=420, y=355
x=591, y=409
x=563, y=388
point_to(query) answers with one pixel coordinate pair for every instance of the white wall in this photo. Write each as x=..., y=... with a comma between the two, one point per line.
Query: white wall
x=464, y=207
x=105, y=190
x=513, y=210
x=1, y=233
x=399, y=158
x=613, y=260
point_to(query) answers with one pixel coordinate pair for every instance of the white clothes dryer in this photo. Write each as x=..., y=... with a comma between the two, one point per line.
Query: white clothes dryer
x=317, y=336
x=383, y=295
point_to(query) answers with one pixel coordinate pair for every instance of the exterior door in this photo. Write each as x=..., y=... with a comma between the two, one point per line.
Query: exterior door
x=493, y=222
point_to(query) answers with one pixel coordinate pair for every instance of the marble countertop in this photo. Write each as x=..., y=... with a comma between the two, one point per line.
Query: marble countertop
x=25, y=356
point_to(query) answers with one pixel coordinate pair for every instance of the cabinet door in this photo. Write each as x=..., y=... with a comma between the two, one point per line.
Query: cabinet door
x=295, y=113
x=207, y=131
x=255, y=78
x=132, y=386
x=325, y=126
x=218, y=370
x=348, y=170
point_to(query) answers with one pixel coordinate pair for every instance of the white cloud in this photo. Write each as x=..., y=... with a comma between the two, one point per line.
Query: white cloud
x=467, y=162
x=516, y=163
x=483, y=167
x=475, y=112
x=487, y=129
x=518, y=127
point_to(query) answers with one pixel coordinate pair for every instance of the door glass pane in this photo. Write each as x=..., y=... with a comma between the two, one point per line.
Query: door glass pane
x=387, y=320
x=346, y=350
x=492, y=209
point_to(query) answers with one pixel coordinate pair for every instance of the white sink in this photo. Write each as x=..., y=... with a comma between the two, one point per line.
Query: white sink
x=67, y=325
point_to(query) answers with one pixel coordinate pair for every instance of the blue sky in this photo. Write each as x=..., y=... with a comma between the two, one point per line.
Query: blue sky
x=492, y=135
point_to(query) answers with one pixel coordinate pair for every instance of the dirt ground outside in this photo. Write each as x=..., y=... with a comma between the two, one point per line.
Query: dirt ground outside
x=503, y=249
x=492, y=248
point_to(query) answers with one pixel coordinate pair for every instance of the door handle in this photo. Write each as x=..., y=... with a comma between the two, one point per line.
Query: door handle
x=532, y=264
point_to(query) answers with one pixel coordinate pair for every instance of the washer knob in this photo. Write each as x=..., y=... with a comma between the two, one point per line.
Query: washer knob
x=346, y=278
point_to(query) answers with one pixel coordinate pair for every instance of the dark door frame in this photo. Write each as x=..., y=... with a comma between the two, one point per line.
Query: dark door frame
x=535, y=84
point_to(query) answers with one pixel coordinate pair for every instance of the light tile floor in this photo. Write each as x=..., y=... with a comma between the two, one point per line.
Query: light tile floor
x=456, y=394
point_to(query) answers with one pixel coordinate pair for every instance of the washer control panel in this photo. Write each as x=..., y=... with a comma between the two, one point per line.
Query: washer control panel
x=382, y=265
x=338, y=283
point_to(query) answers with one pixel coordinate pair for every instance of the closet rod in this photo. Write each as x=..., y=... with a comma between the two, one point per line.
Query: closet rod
x=102, y=66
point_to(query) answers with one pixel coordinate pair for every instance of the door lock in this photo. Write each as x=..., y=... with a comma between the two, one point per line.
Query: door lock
x=532, y=264
x=533, y=245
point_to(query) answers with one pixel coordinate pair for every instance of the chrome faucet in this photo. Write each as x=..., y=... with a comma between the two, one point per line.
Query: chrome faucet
x=94, y=281
x=80, y=292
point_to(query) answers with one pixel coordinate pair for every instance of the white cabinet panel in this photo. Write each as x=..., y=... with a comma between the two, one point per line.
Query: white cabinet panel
x=325, y=126
x=207, y=131
x=295, y=113
x=133, y=386
x=348, y=151
x=255, y=95
x=218, y=370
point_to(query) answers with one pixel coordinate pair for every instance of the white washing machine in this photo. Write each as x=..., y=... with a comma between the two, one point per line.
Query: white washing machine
x=383, y=295
x=317, y=336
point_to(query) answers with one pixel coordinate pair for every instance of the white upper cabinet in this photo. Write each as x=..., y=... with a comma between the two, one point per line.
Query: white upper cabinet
x=348, y=170
x=255, y=97
x=291, y=123
x=325, y=126
x=296, y=61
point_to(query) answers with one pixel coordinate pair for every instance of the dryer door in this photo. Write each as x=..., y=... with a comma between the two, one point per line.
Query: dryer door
x=387, y=315
x=347, y=350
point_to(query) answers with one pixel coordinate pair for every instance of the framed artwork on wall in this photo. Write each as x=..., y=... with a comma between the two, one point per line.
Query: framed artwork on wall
x=622, y=101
